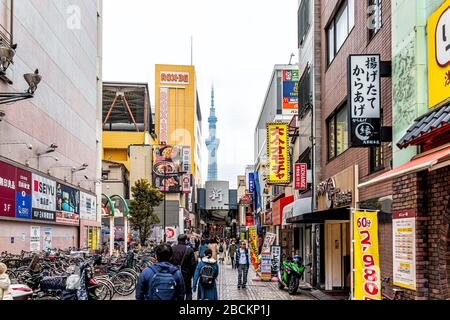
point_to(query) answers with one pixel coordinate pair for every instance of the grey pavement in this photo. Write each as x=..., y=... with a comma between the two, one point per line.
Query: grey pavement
x=256, y=290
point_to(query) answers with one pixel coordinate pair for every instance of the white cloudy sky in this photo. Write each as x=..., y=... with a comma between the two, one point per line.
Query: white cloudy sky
x=236, y=44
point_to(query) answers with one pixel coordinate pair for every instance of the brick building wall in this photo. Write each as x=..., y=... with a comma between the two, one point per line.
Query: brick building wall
x=429, y=194
x=334, y=86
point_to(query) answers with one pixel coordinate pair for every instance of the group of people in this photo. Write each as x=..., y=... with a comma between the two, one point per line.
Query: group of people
x=188, y=267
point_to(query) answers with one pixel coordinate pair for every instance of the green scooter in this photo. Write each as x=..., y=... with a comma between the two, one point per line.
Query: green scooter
x=290, y=273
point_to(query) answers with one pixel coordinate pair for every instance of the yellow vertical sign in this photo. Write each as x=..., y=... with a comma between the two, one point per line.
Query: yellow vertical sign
x=367, y=276
x=439, y=55
x=253, y=244
x=278, y=153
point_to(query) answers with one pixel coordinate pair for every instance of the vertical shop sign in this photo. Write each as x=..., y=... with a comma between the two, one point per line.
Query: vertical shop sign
x=278, y=153
x=164, y=115
x=35, y=239
x=365, y=103
x=253, y=244
x=251, y=183
x=300, y=176
x=186, y=159
x=23, y=194
x=275, y=256
x=268, y=241
x=7, y=190
x=290, y=92
x=48, y=235
x=266, y=266
x=367, y=276
x=404, y=248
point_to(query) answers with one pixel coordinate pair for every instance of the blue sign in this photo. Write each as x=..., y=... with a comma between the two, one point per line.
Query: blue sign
x=251, y=182
x=23, y=194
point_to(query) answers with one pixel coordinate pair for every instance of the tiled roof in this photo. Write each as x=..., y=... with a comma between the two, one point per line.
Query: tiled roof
x=424, y=125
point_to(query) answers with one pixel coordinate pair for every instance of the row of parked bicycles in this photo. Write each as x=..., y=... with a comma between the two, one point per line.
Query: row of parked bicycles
x=74, y=274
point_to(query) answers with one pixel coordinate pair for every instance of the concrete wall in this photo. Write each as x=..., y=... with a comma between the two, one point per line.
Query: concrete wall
x=63, y=110
x=141, y=161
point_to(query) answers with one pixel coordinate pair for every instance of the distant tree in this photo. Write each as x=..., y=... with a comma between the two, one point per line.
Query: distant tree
x=142, y=216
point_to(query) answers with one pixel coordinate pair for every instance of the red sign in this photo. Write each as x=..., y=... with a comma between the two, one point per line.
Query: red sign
x=300, y=176
x=7, y=190
x=249, y=221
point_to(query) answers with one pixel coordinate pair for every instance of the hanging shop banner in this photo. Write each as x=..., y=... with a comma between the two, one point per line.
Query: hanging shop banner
x=167, y=168
x=249, y=221
x=367, y=276
x=43, y=199
x=266, y=266
x=7, y=190
x=365, y=103
x=404, y=248
x=68, y=204
x=268, y=241
x=439, y=55
x=251, y=183
x=278, y=153
x=35, y=239
x=88, y=207
x=23, y=194
x=47, y=241
x=275, y=252
x=290, y=92
x=90, y=237
x=300, y=176
x=186, y=183
x=186, y=159
x=253, y=244
x=164, y=115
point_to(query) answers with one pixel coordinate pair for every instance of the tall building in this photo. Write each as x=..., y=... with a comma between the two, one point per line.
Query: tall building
x=178, y=122
x=50, y=143
x=212, y=143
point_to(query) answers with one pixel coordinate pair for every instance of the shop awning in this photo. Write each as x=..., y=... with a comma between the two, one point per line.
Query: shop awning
x=424, y=162
x=322, y=216
x=430, y=124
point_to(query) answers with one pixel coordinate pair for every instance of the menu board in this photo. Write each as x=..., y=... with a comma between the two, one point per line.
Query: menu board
x=404, y=248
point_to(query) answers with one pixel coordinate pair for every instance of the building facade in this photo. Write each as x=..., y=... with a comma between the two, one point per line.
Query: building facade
x=51, y=142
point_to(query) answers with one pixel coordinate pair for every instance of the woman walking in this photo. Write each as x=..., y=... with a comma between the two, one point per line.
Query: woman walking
x=205, y=276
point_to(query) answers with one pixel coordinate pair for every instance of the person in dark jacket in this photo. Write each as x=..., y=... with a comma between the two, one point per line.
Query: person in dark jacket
x=184, y=256
x=206, y=292
x=144, y=285
x=202, y=249
x=242, y=261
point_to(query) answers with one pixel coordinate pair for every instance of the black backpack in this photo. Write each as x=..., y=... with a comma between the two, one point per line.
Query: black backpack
x=207, y=276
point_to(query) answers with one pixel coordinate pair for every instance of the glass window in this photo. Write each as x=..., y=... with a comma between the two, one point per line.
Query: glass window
x=331, y=43
x=338, y=132
x=331, y=139
x=375, y=17
x=341, y=27
x=341, y=131
x=376, y=158
x=351, y=14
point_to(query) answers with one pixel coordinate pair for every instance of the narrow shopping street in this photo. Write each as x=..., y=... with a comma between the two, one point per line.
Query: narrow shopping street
x=256, y=290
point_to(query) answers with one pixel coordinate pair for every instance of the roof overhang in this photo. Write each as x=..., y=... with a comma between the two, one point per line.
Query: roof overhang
x=338, y=214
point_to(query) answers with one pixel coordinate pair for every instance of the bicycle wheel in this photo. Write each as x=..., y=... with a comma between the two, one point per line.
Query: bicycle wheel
x=124, y=283
x=107, y=282
x=102, y=291
x=132, y=271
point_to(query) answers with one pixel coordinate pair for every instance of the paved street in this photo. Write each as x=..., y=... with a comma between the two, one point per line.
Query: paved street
x=256, y=290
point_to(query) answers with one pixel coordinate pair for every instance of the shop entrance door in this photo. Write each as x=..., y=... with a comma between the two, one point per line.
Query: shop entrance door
x=337, y=254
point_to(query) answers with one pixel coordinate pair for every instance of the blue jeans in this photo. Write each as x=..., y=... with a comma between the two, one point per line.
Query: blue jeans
x=242, y=274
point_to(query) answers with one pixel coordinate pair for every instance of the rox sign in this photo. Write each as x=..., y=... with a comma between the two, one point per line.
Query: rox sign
x=174, y=77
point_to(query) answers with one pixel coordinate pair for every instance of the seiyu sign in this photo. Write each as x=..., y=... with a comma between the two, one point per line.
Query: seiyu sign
x=43, y=198
x=364, y=100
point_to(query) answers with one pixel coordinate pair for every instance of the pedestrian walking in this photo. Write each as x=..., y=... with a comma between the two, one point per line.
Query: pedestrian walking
x=242, y=263
x=205, y=277
x=162, y=280
x=202, y=249
x=5, y=284
x=184, y=257
x=232, y=251
x=213, y=246
x=222, y=252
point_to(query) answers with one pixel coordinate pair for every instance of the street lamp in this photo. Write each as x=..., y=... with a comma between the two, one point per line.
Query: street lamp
x=27, y=162
x=80, y=168
x=29, y=146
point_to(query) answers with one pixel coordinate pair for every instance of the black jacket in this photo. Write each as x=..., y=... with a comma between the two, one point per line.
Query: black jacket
x=189, y=263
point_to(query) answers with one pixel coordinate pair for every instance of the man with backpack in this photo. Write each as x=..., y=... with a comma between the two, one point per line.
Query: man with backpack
x=184, y=257
x=162, y=280
x=205, y=276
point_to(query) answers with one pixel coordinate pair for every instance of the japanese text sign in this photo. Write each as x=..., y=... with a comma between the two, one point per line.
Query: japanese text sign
x=278, y=153
x=7, y=190
x=367, y=283
x=290, y=91
x=253, y=244
x=364, y=100
x=164, y=115
x=439, y=55
x=300, y=176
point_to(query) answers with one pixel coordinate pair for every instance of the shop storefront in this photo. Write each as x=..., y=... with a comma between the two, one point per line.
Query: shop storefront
x=36, y=211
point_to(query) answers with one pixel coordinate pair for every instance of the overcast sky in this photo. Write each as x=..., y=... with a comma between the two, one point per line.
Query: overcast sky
x=236, y=44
